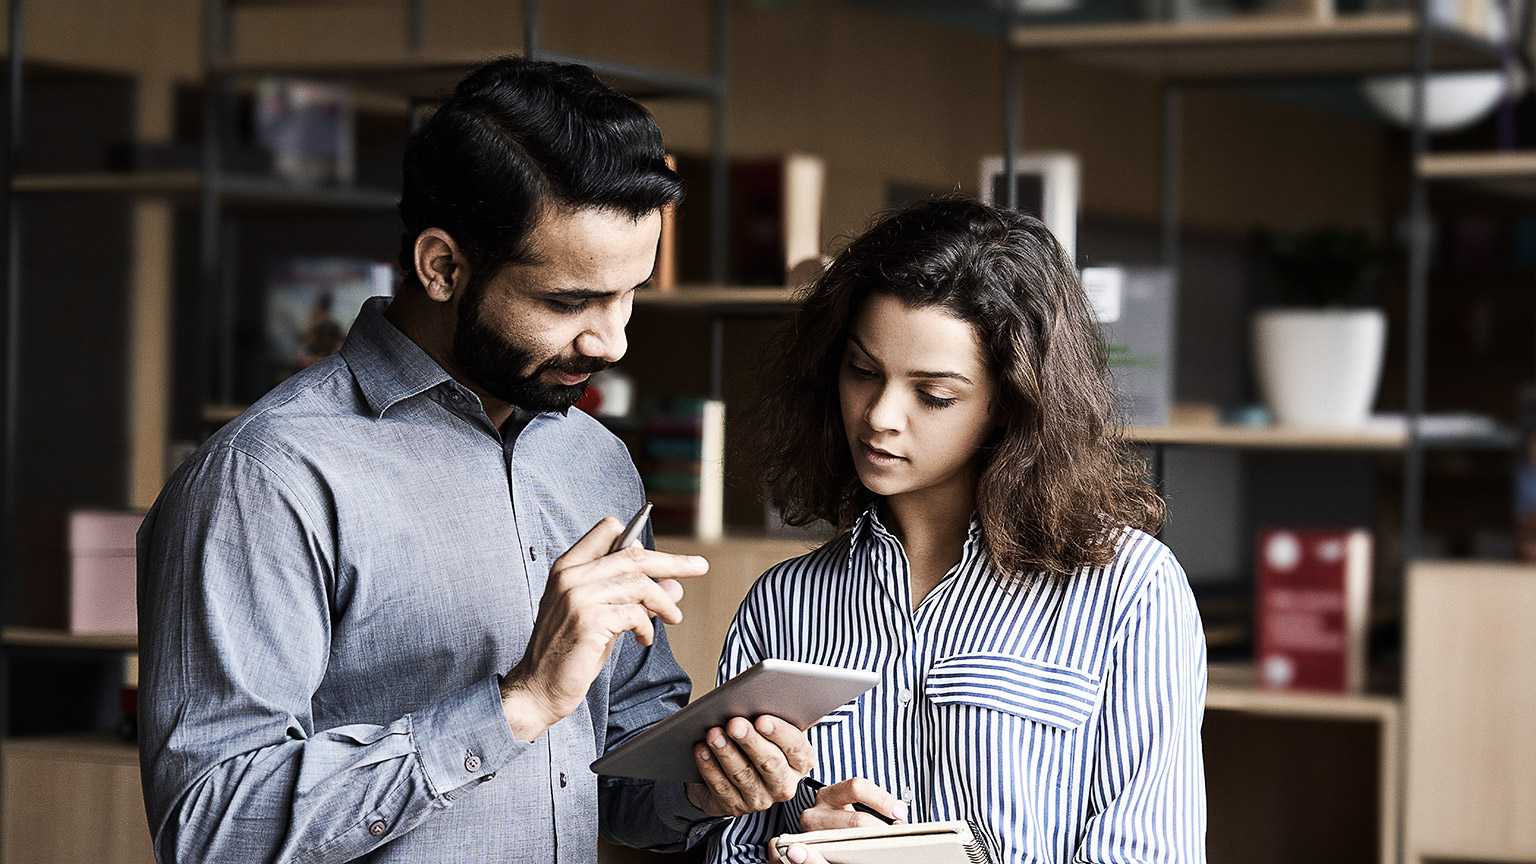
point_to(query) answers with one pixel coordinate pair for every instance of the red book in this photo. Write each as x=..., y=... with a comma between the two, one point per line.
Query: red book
x=1312, y=606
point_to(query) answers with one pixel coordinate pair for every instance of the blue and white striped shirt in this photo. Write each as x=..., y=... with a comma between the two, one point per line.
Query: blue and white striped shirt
x=1063, y=719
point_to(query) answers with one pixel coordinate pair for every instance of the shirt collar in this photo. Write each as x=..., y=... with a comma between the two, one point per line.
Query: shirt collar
x=868, y=527
x=386, y=364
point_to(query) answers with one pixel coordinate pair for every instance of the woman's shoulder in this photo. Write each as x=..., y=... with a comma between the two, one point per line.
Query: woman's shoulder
x=1140, y=561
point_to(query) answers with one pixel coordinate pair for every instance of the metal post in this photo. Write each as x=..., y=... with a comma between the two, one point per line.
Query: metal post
x=1417, y=322
x=716, y=357
x=216, y=348
x=719, y=165
x=1170, y=176
x=415, y=18
x=10, y=334
x=531, y=27
x=1013, y=110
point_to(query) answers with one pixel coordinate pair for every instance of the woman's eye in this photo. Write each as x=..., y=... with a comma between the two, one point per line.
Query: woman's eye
x=858, y=371
x=933, y=401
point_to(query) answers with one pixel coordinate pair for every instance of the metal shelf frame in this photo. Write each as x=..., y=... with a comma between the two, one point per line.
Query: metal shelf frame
x=419, y=77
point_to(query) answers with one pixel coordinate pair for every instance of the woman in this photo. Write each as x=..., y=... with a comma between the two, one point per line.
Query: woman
x=942, y=401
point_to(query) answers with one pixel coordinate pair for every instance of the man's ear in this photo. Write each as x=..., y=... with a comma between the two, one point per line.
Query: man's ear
x=440, y=266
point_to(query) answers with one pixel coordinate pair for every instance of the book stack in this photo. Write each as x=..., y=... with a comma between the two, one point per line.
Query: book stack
x=82, y=571
x=1314, y=588
x=682, y=465
x=773, y=217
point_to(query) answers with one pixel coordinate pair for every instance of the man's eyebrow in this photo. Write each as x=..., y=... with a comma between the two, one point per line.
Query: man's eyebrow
x=587, y=293
x=956, y=376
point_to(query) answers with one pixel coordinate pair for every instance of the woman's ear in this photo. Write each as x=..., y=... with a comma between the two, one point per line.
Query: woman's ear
x=440, y=266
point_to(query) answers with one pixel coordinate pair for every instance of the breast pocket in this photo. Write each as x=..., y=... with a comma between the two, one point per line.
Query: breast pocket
x=1060, y=696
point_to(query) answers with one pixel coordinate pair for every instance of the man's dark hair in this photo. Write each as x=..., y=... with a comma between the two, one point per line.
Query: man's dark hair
x=1056, y=483
x=516, y=138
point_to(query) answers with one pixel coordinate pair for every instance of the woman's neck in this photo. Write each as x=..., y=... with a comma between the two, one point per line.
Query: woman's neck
x=932, y=527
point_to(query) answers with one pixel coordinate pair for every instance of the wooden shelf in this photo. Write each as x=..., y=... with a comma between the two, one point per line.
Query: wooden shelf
x=75, y=747
x=235, y=190
x=40, y=637
x=1267, y=437
x=722, y=299
x=1231, y=689
x=415, y=77
x=1507, y=172
x=1257, y=47
x=1288, y=438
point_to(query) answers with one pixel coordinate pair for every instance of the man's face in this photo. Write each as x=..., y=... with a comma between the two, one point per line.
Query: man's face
x=531, y=334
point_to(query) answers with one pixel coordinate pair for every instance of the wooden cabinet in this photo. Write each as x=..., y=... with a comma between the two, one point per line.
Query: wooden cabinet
x=73, y=799
x=1470, y=695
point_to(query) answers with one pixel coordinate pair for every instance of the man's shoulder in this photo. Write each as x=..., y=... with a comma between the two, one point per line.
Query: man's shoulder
x=319, y=395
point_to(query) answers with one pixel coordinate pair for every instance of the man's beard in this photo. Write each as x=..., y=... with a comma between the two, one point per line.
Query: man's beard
x=495, y=363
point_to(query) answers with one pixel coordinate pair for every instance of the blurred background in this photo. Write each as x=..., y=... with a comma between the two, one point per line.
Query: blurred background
x=1317, y=301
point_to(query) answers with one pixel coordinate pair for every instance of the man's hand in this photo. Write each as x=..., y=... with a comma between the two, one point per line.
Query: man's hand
x=834, y=809
x=748, y=766
x=592, y=598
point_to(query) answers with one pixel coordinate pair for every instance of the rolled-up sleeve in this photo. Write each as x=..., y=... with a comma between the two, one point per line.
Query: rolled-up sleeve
x=237, y=573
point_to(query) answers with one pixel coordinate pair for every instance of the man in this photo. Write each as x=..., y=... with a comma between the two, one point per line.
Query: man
x=377, y=621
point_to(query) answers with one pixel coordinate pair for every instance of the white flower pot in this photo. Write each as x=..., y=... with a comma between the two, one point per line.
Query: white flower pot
x=1319, y=367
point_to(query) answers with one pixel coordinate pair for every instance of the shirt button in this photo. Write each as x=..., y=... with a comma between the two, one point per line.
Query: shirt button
x=562, y=779
x=378, y=828
x=472, y=762
x=906, y=696
x=532, y=555
x=906, y=794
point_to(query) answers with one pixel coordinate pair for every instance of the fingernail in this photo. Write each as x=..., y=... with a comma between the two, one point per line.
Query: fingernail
x=717, y=740
x=698, y=561
x=765, y=725
x=704, y=756
x=797, y=854
x=901, y=811
x=737, y=732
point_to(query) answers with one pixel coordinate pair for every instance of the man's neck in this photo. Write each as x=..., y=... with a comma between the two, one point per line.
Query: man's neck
x=427, y=324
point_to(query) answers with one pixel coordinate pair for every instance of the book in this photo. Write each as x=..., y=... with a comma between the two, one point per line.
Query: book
x=773, y=218
x=82, y=570
x=1134, y=308
x=919, y=843
x=308, y=128
x=1047, y=186
x=311, y=304
x=1312, y=608
x=682, y=465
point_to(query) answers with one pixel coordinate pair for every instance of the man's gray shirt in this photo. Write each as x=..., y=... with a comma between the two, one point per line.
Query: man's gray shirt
x=328, y=590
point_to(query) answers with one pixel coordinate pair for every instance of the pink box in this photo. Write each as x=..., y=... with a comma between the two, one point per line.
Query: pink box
x=82, y=571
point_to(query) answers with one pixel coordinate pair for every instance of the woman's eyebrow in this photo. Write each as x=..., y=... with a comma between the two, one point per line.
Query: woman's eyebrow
x=955, y=376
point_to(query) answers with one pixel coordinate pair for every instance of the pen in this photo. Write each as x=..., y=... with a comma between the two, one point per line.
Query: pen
x=857, y=805
x=632, y=530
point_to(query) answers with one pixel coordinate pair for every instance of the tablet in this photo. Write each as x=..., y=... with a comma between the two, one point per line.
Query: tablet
x=799, y=693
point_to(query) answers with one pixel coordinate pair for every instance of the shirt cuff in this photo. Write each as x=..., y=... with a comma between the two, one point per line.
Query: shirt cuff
x=679, y=814
x=464, y=740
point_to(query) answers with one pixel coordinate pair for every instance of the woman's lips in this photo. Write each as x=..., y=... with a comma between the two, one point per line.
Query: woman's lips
x=878, y=457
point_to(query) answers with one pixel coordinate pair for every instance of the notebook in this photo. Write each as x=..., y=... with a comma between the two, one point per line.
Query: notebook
x=919, y=843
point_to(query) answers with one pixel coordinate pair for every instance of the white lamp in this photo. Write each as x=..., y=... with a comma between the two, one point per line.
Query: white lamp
x=1452, y=100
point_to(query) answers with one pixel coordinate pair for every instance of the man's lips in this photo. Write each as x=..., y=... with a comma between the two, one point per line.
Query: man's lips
x=570, y=379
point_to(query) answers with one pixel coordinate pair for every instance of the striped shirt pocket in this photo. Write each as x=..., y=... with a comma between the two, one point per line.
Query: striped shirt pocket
x=1049, y=693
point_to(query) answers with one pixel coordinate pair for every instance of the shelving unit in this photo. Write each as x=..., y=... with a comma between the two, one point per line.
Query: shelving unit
x=1295, y=48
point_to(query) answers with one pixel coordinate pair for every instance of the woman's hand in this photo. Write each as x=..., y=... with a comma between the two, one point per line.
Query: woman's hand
x=834, y=806
x=834, y=809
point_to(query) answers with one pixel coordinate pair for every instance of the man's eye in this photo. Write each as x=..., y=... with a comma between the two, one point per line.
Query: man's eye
x=567, y=308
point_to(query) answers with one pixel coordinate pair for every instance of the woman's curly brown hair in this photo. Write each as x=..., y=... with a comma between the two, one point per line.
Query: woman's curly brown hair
x=1057, y=483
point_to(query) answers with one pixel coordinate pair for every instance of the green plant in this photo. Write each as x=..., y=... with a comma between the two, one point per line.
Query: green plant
x=1322, y=266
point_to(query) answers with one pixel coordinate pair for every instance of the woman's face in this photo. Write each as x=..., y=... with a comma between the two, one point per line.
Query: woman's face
x=916, y=398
